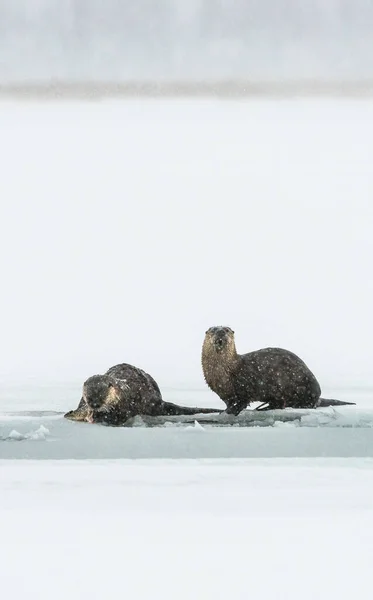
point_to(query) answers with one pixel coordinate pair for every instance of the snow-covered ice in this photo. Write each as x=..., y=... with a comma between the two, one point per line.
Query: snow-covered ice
x=40, y=433
x=32, y=425
x=206, y=529
x=122, y=224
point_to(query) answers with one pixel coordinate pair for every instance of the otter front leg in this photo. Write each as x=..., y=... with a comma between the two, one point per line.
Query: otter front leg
x=235, y=406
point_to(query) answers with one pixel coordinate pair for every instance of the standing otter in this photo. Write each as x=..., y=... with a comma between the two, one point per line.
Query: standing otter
x=123, y=392
x=273, y=376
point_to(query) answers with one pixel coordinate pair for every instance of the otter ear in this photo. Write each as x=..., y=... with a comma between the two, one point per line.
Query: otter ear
x=231, y=330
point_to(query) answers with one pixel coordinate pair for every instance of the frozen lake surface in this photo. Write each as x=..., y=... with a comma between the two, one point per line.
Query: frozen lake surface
x=212, y=529
x=127, y=230
x=32, y=426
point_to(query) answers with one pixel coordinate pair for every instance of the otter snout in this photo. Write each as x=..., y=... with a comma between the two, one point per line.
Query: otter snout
x=220, y=342
x=220, y=338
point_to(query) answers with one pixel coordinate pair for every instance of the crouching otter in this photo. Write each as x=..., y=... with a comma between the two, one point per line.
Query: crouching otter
x=274, y=377
x=125, y=391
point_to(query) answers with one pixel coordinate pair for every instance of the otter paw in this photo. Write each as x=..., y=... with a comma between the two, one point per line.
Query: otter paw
x=234, y=410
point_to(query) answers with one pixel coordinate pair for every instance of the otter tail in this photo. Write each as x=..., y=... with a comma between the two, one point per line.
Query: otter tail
x=176, y=410
x=324, y=402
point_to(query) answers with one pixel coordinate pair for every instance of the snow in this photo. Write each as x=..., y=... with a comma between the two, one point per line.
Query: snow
x=121, y=225
x=196, y=427
x=39, y=434
x=156, y=529
x=128, y=228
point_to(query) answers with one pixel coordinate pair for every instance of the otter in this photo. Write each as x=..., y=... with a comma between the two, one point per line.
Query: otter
x=275, y=377
x=125, y=391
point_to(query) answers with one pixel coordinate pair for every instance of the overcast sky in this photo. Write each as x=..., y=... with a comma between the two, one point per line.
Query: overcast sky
x=128, y=230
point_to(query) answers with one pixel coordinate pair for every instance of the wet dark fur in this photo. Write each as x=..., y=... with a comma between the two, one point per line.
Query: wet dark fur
x=125, y=391
x=275, y=377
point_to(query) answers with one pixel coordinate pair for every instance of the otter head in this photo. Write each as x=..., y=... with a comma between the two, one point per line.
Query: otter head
x=220, y=339
x=103, y=394
x=219, y=359
x=97, y=389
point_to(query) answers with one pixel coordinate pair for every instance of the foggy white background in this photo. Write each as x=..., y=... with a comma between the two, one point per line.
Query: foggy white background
x=177, y=39
x=128, y=229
